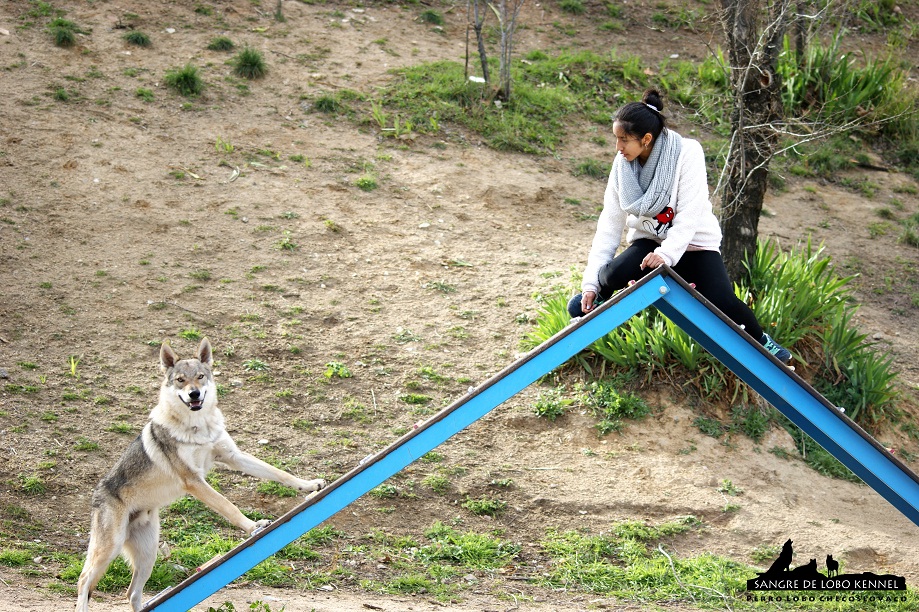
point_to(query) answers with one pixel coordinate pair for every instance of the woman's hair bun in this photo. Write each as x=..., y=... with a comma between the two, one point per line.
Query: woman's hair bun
x=653, y=98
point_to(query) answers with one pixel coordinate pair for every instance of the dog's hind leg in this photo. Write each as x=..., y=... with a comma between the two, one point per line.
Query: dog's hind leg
x=105, y=542
x=140, y=549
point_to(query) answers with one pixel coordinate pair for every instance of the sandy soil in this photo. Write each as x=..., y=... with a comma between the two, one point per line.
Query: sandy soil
x=121, y=227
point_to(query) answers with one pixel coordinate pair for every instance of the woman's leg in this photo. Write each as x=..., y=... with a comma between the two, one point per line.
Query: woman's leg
x=706, y=269
x=625, y=267
x=616, y=274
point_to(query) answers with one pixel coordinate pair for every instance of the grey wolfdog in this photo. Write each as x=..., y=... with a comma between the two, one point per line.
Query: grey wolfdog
x=180, y=443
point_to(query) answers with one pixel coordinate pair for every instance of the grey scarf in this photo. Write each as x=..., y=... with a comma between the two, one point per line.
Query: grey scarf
x=645, y=191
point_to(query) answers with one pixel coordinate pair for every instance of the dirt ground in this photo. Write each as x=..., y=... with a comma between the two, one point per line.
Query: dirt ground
x=122, y=226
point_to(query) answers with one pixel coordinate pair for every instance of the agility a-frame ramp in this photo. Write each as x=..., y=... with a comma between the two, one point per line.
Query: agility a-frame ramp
x=672, y=296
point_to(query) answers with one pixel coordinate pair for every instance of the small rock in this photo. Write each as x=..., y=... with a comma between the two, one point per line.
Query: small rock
x=170, y=30
x=263, y=442
x=4, y=374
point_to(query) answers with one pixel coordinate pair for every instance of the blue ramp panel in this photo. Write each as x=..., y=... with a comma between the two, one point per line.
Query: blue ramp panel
x=677, y=300
x=376, y=469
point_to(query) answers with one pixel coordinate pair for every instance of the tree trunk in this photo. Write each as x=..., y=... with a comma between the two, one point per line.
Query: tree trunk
x=477, y=14
x=753, y=49
x=507, y=17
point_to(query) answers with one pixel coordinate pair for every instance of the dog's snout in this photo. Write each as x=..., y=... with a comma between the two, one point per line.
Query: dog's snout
x=194, y=394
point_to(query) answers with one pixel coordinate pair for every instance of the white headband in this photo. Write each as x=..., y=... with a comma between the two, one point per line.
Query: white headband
x=654, y=108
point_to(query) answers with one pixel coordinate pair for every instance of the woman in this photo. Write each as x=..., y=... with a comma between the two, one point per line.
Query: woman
x=659, y=189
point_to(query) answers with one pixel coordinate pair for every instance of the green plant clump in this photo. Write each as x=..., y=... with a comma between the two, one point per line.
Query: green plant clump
x=185, y=81
x=221, y=43
x=64, y=32
x=138, y=39
x=249, y=64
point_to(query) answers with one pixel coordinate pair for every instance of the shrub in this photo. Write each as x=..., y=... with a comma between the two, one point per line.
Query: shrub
x=221, y=43
x=63, y=32
x=433, y=17
x=575, y=7
x=551, y=404
x=327, y=104
x=186, y=81
x=249, y=64
x=138, y=39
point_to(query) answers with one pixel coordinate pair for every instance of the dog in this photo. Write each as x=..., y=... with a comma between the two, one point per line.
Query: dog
x=171, y=457
x=783, y=561
x=832, y=566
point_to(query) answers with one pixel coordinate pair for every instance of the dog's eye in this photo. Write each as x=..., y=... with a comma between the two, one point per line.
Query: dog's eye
x=180, y=379
x=200, y=376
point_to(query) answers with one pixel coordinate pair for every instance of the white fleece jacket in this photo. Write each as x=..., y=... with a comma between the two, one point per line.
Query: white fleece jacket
x=694, y=226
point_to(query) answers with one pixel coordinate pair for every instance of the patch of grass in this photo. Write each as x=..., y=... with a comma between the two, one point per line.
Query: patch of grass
x=327, y=104
x=468, y=550
x=441, y=286
x=438, y=483
x=384, y=491
x=485, y=506
x=551, y=404
x=221, y=43
x=573, y=7
x=185, y=81
x=728, y=488
x=415, y=399
x=64, y=32
x=249, y=64
x=709, y=426
x=144, y=94
x=593, y=168
x=138, y=39
x=121, y=427
x=366, y=182
x=85, y=444
x=432, y=17
x=336, y=369
x=15, y=558
x=269, y=487
x=32, y=485
x=61, y=94
x=286, y=243
x=255, y=365
x=612, y=406
x=191, y=333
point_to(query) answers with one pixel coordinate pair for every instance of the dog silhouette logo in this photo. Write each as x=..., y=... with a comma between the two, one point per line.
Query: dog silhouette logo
x=782, y=576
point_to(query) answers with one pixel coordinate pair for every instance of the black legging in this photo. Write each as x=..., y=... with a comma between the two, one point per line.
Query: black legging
x=704, y=268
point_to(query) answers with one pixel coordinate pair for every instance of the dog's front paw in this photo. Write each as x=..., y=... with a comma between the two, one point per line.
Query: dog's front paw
x=313, y=485
x=259, y=526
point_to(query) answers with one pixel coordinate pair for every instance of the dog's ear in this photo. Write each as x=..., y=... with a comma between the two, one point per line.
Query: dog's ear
x=204, y=354
x=168, y=358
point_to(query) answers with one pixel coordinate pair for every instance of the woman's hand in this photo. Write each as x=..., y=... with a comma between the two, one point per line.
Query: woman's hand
x=652, y=260
x=587, y=300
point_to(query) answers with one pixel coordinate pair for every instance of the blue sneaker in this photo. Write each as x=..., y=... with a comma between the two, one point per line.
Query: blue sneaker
x=780, y=352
